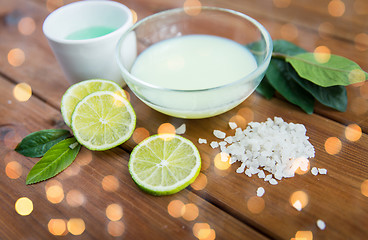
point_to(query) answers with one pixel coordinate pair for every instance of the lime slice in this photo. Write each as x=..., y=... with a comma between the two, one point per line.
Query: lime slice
x=80, y=90
x=164, y=164
x=103, y=120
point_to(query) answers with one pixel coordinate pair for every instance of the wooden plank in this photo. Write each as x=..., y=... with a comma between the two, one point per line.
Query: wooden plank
x=335, y=198
x=81, y=194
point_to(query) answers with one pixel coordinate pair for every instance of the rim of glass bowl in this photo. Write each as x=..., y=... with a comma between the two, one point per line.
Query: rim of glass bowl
x=260, y=68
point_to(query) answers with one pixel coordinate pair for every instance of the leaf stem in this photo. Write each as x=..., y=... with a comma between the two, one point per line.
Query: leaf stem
x=279, y=55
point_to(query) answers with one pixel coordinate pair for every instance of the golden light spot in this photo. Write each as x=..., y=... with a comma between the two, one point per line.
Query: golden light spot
x=239, y=120
x=24, y=206
x=247, y=114
x=134, y=15
x=282, y=3
x=26, y=26
x=304, y=235
x=361, y=41
x=200, y=182
x=22, y=92
x=16, y=57
x=84, y=157
x=336, y=8
x=57, y=227
x=222, y=161
x=353, y=132
x=190, y=211
x=52, y=5
x=255, y=204
x=356, y=75
x=175, y=208
x=140, y=134
x=55, y=193
x=75, y=198
x=76, y=226
x=72, y=170
x=299, y=200
x=333, y=145
x=114, y=212
x=358, y=106
x=301, y=170
x=289, y=31
x=166, y=128
x=201, y=230
x=364, y=188
x=192, y=7
x=116, y=229
x=325, y=28
x=322, y=54
x=110, y=183
x=13, y=170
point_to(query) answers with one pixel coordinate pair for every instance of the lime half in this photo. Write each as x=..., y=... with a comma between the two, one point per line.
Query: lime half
x=103, y=120
x=164, y=164
x=80, y=90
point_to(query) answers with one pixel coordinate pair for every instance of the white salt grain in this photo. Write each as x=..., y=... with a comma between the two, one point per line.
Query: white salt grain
x=268, y=177
x=202, y=141
x=273, y=181
x=261, y=174
x=232, y=125
x=321, y=224
x=181, y=129
x=214, y=144
x=314, y=171
x=322, y=170
x=219, y=134
x=297, y=205
x=260, y=192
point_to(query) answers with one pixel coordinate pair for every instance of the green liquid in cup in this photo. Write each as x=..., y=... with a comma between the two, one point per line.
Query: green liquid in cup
x=91, y=32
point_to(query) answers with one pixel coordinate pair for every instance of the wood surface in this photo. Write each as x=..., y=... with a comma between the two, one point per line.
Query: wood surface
x=225, y=202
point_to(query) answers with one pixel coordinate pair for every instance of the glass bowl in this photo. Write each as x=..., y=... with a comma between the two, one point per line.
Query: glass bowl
x=195, y=102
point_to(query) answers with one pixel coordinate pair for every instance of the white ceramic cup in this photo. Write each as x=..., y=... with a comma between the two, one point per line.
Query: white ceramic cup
x=87, y=58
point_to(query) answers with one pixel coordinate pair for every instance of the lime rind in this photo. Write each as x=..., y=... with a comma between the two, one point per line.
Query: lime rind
x=173, y=177
x=80, y=90
x=90, y=114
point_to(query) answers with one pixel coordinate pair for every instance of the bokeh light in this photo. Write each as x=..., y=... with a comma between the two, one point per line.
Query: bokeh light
x=54, y=192
x=364, y=188
x=76, y=226
x=255, y=204
x=57, y=227
x=116, y=229
x=247, y=114
x=84, y=157
x=201, y=230
x=22, y=92
x=305, y=235
x=72, y=170
x=134, y=15
x=222, y=161
x=299, y=200
x=357, y=75
x=322, y=54
x=336, y=8
x=364, y=90
x=16, y=57
x=282, y=3
x=75, y=198
x=52, y=5
x=114, y=212
x=192, y=7
x=239, y=120
x=358, y=105
x=26, y=26
x=140, y=134
x=333, y=145
x=289, y=32
x=361, y=41
x=13, y=170
x=110, y=183
x=166, y=128
x=353, y=132
x=190, y=212
x=200, y=183
x=175, y=208
x=325, y=28
x=24, y=206
x=300, y=170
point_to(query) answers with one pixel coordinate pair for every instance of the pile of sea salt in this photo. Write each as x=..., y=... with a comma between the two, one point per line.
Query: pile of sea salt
x=273, y=149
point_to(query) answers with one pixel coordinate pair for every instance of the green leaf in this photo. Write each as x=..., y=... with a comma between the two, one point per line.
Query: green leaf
x=285, y=47
x=56, y=159
x=334, y=97
x=38, y=143
x=265, y=89
x=336, y=71
x=278, y=76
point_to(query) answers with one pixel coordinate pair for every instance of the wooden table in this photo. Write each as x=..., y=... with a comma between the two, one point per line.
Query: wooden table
x=95, y=198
